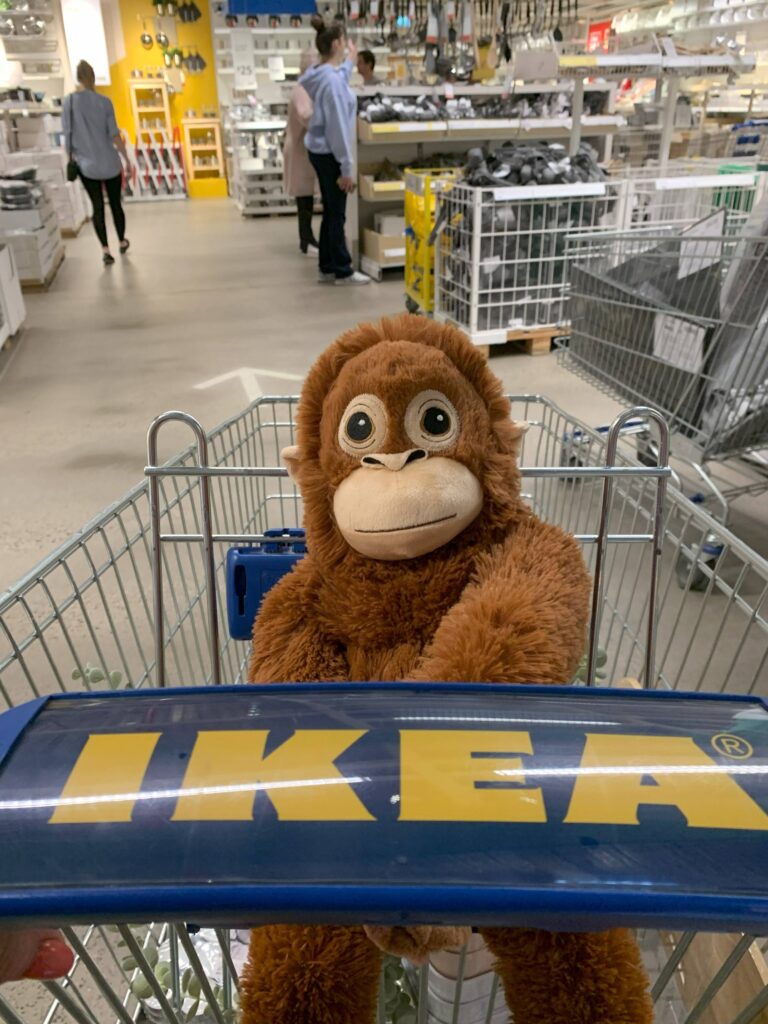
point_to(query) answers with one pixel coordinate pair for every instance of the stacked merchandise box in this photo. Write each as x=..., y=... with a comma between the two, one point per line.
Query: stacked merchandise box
x=68, y=197
x=29, y=225
x=40, y=132
x=12, y=309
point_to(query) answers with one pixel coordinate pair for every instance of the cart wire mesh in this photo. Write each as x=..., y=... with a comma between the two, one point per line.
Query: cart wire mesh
x=681, y=323
x=85, y=616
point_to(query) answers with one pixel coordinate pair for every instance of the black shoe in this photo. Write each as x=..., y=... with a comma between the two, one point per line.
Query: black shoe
x=124, y=245
x=108, y=258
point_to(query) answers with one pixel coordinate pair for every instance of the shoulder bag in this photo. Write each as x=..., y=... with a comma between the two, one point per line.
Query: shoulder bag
x=73, y=171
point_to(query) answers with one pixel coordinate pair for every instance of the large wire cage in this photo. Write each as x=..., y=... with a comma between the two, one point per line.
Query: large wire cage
x=501, y=259
x=83, y=619
x=680, y=322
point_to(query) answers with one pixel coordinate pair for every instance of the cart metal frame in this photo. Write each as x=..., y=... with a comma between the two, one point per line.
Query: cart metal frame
x=86, y=614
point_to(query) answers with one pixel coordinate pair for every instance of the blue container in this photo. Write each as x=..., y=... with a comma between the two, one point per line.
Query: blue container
x=251, y=572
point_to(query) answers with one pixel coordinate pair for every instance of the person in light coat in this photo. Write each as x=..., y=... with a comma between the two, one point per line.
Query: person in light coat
x=299, y=178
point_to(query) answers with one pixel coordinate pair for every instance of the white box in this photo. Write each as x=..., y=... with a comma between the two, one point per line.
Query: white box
x=11, y=299
x=28, y=220
x=388, y=223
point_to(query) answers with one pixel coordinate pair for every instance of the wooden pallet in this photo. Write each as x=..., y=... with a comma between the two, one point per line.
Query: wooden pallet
x=34, y=285
x=534, y=341
x=73, y=232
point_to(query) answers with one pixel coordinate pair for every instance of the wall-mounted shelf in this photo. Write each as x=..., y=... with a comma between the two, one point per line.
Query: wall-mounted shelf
x=160, y=111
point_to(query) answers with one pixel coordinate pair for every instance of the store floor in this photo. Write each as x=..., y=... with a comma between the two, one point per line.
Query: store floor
x=202, y=295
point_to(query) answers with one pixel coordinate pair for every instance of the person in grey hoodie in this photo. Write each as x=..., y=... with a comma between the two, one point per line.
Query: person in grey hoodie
x=328, y=142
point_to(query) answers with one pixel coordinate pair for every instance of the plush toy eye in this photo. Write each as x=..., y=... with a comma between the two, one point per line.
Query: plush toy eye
x=363, y=426
x=436, y=421
x=431, y=421
x=359, y=427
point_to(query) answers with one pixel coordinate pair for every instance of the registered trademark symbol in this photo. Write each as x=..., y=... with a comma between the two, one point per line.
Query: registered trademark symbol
x=728, y=745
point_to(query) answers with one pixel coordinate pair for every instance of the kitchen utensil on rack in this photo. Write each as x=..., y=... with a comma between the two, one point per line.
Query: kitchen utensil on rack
x=32, y=26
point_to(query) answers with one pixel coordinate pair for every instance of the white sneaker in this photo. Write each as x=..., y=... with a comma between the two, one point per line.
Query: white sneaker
x=326, y=278
x=355, y=278
x=311, y=250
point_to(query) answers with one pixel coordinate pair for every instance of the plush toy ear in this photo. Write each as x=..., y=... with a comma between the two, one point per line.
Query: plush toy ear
x=519, y=429
x=291, y=457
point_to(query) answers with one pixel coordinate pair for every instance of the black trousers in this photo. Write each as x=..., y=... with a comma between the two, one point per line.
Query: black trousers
x=95, y=189
x=305, y=206
x=334, y=255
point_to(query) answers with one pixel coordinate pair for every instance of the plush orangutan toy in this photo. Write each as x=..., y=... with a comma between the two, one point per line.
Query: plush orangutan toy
x=423, y=565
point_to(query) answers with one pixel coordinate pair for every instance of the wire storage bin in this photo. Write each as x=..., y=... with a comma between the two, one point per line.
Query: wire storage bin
x=502, y=252
x=84, y=618
x=679, y=200
x=680, y=322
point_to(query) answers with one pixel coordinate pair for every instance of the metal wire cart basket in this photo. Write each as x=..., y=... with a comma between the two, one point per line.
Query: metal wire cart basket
x=680, y=322
x=84, y=620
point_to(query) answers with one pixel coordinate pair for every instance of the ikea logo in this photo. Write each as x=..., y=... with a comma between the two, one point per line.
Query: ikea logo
x=445, y=775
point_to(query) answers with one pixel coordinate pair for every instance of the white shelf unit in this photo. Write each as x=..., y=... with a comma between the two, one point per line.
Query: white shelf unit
x=258, y=187
x=415, y=142
x=43, y=57
x=667, y=67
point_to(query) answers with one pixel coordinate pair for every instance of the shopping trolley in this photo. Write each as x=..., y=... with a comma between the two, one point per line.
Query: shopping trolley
x=85, y=617
x=680, y=321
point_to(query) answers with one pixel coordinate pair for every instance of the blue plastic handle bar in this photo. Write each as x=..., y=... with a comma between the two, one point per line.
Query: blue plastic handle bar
x=553, y=807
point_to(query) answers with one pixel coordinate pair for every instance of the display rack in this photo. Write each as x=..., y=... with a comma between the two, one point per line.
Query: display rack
x=661, y=62
x=156, y=168
x=151, y=109
x=42, y=57
x=203, y=153
x=415, y=142
x=256, y=174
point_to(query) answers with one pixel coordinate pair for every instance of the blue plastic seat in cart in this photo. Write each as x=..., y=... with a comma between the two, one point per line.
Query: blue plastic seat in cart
x=252, y=571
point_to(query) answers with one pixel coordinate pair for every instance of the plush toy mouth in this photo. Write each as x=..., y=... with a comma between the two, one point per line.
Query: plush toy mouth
x=416, y=526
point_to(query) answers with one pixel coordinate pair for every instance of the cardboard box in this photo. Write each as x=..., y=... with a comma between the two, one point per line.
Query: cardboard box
x=11, y=299
x=389, y=222
x=28, y=220
x=386, y=250
x=380, y=191
x=50, y=166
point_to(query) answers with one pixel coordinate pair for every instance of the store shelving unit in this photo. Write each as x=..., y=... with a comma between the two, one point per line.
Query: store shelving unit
x=662, y=63
x=151, y=108
x=413, y=142
x=203, y=153
x=256, y=177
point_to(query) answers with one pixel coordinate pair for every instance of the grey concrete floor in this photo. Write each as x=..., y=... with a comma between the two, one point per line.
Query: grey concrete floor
x=202, y=293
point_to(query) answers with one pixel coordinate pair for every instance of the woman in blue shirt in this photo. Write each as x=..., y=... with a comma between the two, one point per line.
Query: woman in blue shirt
x=91, y=135
x=329, y=145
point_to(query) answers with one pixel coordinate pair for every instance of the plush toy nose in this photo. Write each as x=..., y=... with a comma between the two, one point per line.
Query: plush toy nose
x=395, y=461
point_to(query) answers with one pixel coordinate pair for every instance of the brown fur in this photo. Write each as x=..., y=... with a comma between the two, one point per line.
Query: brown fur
x=505, y=601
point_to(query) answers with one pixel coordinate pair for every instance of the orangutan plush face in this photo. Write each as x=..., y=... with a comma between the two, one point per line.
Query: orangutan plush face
x=402, y=443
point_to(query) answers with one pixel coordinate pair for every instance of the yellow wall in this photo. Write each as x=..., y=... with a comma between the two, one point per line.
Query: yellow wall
x=199, y=90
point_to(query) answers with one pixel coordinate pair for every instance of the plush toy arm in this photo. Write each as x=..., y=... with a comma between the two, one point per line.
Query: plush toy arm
x=288, y=645
x=521, y=620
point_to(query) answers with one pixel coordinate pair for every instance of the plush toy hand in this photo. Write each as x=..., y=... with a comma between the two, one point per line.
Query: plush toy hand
x=416, y=943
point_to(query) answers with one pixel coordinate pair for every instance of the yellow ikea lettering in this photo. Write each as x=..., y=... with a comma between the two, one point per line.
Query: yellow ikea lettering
x=227, y=768
x=106, y=779
x=609, y=794
x=438, y=776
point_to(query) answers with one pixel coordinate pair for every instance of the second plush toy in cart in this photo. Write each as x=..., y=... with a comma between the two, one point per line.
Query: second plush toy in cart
x=424, y=564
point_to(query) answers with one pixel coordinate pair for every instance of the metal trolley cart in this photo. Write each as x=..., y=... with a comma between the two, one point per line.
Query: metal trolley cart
x=83, y=620
x=681, y=322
